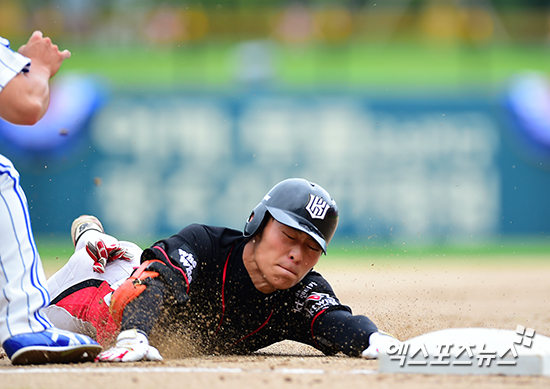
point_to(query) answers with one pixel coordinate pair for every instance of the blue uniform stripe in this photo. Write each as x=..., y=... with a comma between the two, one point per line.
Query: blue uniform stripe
x=8, y=66
x=8, y=307
x=35, y=281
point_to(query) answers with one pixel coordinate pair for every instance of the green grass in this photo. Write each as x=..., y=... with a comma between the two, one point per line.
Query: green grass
x=54, y=253
x=357, y=66
x=511, y=252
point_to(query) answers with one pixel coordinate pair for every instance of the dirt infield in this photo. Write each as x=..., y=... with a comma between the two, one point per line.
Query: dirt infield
x=406, y=300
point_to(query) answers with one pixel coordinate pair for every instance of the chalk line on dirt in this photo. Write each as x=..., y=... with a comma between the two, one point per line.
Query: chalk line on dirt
x=211, y=370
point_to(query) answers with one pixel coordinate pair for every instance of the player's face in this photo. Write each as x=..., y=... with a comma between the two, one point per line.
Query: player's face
x=285, y=255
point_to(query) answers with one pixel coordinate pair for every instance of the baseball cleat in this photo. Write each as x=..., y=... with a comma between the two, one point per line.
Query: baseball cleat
x=82, y=224
x=51, y=346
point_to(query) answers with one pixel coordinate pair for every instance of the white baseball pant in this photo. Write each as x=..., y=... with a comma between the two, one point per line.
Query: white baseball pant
x=22, y=279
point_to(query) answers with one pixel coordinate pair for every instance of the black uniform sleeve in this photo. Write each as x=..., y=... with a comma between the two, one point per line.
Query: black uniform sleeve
x=332, y=325
x=340, y=331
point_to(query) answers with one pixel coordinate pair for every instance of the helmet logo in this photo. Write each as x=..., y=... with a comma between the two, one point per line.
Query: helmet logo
x=317, y=207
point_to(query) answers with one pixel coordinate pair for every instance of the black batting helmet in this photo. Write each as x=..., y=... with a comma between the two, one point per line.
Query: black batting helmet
x=299, y=204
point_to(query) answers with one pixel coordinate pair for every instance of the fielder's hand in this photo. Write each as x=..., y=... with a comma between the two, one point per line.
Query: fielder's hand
x=379, y=342
x=131, y=346
x=101, y=254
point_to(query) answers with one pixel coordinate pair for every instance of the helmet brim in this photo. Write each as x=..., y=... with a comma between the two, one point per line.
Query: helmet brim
x=298, y=223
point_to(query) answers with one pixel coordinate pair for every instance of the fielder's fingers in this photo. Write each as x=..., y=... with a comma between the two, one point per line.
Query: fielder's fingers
x=37, y=34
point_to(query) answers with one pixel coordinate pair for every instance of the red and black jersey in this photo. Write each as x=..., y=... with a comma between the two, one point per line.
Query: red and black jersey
x=230, y=315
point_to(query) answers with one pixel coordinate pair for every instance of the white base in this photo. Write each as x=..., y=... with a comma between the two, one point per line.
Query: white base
x=446, y=352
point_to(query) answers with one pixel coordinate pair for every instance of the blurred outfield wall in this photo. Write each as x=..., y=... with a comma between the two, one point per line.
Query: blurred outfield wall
x=423, y=170
x=396, y=168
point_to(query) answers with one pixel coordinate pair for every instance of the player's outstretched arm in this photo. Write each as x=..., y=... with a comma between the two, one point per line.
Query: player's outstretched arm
x=25, y=99
x=354, y=335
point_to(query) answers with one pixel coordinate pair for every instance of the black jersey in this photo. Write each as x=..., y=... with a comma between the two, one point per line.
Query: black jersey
x=231, y=315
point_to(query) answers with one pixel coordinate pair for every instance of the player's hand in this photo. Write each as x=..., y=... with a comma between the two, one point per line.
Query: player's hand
x=43, y=53
x=101, y=254
x=131, y=346
x=379, y=342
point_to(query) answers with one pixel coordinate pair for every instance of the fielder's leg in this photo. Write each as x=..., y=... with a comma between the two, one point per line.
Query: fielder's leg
x=26, y=334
